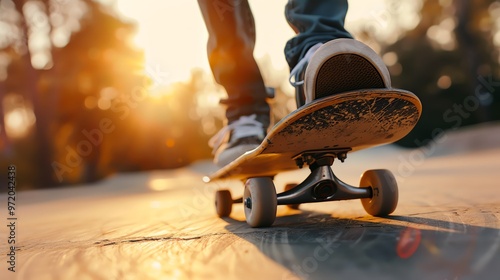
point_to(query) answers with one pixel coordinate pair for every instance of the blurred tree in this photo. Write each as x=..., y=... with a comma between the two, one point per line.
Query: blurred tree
x=475, y=33
x=96, y=68
x=85, y=84
x=68, y=60
x=5, y=146
x=33, y=54
x=450, y=61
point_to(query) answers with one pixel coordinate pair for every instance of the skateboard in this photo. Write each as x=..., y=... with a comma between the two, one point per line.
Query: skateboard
x=315, y=135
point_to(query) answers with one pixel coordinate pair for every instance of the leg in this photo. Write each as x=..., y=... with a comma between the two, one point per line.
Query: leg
x=231, y=42
x=314, y=22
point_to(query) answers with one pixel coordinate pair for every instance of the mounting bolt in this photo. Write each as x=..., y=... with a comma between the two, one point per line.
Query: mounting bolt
x=342, y=156
x=299, y=162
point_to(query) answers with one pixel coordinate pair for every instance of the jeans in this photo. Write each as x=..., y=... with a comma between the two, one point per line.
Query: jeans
x=231, y=42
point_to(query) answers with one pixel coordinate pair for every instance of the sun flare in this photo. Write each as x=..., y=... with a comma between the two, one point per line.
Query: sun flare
x=172, y=36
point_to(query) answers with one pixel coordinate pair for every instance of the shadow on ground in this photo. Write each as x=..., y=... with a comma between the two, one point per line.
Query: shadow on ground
x=318, y=246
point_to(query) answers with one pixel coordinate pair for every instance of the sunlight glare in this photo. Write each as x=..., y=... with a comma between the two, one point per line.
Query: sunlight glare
x=172, y=35
x=444, y=82
x=156, y=204
x=206, y=179
x=159, y=184
x=18, y=122
x=156, y=265
x=390, y=58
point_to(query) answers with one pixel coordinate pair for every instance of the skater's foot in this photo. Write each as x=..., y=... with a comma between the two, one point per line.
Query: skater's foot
x=337, y=66
x=238, y=137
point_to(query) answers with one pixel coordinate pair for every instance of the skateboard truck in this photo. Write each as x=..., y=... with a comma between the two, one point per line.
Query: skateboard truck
x=322, y=184
x=312, y=156
x=378, y=193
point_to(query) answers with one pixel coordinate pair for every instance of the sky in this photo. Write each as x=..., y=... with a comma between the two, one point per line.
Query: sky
x=173, y=34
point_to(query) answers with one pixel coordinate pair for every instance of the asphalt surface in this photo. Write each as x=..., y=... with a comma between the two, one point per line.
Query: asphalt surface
x=162, y=224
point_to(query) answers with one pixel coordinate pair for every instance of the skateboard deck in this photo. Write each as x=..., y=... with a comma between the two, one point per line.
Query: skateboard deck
x=348, y=121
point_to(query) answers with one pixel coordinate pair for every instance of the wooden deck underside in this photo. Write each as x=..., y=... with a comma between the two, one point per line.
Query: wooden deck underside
x=355, y=120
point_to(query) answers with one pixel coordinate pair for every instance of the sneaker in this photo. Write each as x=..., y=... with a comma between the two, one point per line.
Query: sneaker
x=337, y=66
x=237, y=138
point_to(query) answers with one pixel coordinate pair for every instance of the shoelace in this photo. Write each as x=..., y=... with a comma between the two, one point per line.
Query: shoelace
x=245, y=126
x=295, y=71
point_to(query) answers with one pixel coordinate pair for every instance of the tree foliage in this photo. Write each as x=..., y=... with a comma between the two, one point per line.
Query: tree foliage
x=450, y=60
x=88, y=99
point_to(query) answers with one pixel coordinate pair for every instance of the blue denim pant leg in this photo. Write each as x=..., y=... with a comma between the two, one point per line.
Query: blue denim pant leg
x=314, y=21
x=231, y=42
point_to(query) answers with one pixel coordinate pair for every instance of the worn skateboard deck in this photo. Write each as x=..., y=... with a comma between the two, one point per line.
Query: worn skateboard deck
x=348, y=121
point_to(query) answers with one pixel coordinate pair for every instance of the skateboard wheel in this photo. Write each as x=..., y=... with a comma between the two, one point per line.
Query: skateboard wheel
x=287, y=188
x=223, y=203
x=260, y=202
x=384, y=189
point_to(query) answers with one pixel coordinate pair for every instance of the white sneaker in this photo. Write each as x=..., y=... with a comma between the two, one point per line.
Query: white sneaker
x=237, y=138
x=338, y=66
